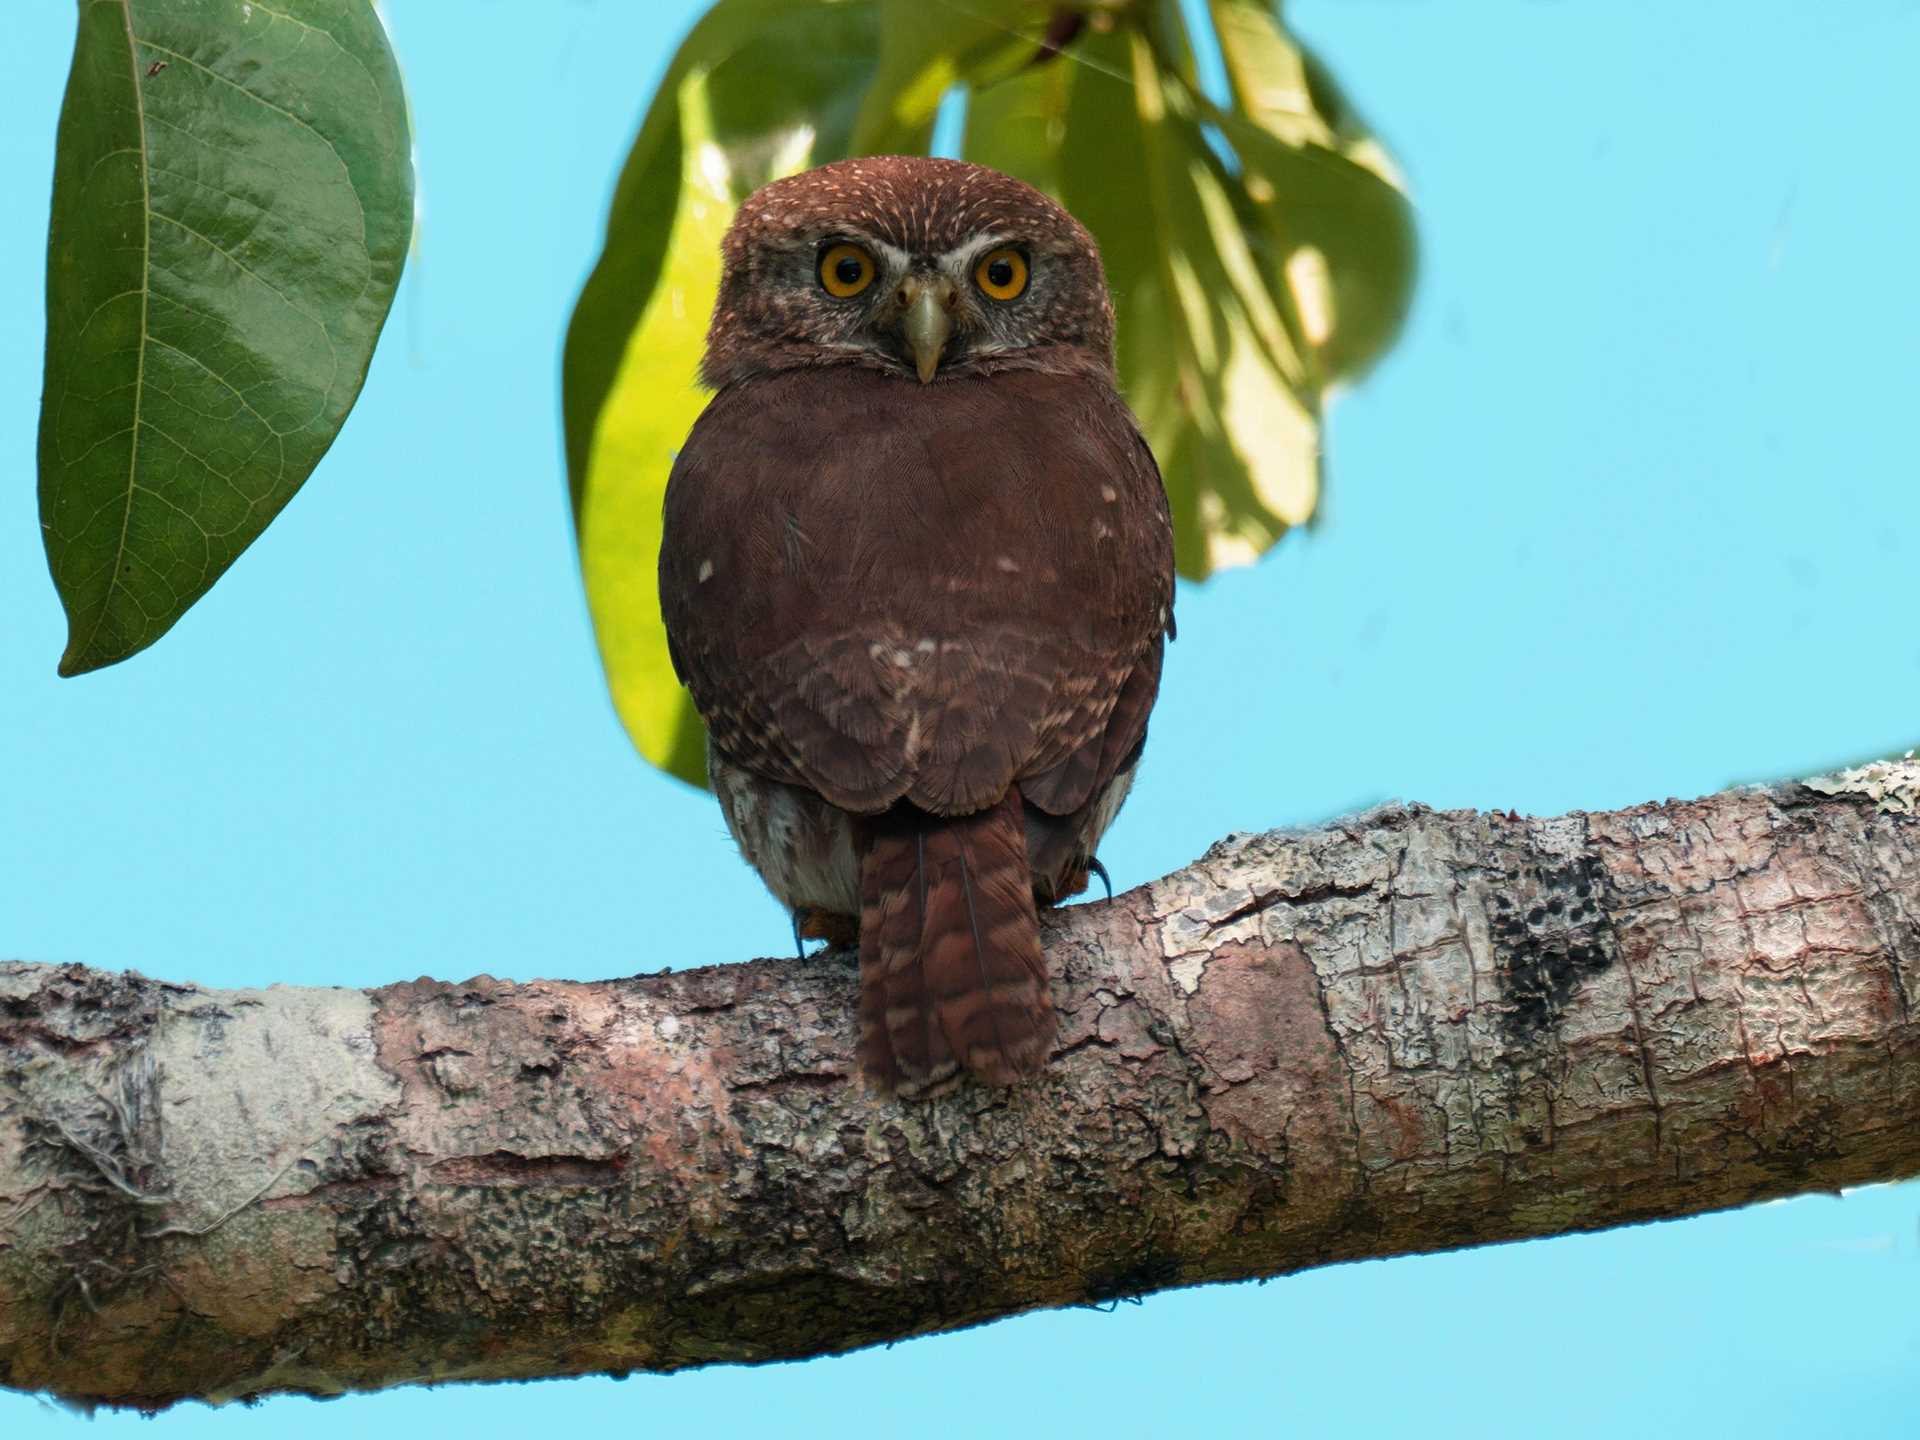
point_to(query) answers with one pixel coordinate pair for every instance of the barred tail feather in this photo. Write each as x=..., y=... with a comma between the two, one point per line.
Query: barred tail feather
x=951, y=974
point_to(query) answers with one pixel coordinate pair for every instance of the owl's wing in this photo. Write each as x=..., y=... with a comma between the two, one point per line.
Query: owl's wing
x=882, y=590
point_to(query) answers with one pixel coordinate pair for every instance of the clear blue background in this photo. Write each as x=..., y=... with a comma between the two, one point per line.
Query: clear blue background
x=1630, y=513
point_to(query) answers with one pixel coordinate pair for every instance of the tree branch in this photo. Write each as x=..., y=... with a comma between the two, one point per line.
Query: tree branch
x=1407, y=1031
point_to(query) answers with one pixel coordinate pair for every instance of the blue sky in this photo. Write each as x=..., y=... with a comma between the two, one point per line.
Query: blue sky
x=1630, y=513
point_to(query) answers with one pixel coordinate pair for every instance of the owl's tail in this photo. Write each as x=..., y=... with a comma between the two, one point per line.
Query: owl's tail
x=951, y=975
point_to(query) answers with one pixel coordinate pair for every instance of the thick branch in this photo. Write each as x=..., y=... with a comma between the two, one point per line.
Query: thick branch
x=1407, y=1031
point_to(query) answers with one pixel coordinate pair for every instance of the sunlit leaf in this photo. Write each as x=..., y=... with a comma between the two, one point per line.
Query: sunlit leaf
x=1204, y=356
x=929, y=46
x=762, y=88
x=233, y=198
x=1255, y=254
x=1018, y=125
x=1339, y=232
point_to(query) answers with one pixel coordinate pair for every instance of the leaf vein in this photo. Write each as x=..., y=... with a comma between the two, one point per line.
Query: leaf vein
x=262, y=100
x=222, y=380
x=140, y=361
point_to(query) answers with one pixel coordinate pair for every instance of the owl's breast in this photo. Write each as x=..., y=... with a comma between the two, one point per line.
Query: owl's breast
x=881, y=588
x=879, y=491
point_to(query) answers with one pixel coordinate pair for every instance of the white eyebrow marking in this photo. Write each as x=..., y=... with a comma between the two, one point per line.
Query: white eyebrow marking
x=896, y=258
x=974, y=245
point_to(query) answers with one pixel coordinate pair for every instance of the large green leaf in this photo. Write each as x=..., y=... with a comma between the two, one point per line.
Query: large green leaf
x=760, y=89
x=232, y=202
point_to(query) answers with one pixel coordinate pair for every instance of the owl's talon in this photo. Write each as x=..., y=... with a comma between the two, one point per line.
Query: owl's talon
x=1094, y=865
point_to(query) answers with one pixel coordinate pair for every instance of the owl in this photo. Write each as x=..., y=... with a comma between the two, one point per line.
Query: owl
x=917, y=572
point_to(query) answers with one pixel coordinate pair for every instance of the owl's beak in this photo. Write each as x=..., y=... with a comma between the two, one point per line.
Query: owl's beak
x=927, y=324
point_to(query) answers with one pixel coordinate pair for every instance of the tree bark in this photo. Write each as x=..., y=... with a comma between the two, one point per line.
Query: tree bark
x=1407, y=1031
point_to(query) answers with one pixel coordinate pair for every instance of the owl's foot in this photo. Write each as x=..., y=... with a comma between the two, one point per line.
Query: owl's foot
x=810, y=922
x=1075, y=882
x=1070, y=884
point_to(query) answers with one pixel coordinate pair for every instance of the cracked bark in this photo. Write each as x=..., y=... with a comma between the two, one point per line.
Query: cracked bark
x=1407, y=1031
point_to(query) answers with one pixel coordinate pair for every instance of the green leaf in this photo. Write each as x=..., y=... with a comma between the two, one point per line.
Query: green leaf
x=1018, y=124
x=1256, y=252
x=1204, y=354
x=1340, y=236
x=761, y=88
x=927, y=50
x=232, y=203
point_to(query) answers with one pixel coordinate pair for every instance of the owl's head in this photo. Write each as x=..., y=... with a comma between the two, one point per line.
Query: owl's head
x=923, y=268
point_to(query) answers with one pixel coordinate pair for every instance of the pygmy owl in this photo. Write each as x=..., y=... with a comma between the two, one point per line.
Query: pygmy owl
x=917, y=571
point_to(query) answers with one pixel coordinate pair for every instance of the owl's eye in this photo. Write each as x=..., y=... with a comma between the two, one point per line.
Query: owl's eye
x=845, y=270
x=1002, y=273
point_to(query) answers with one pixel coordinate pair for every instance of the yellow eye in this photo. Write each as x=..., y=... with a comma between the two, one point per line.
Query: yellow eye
x=1002, y=273
x=845, y=270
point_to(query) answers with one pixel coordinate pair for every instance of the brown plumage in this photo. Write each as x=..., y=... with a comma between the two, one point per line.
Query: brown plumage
x=951, y=975
x=923, y=620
